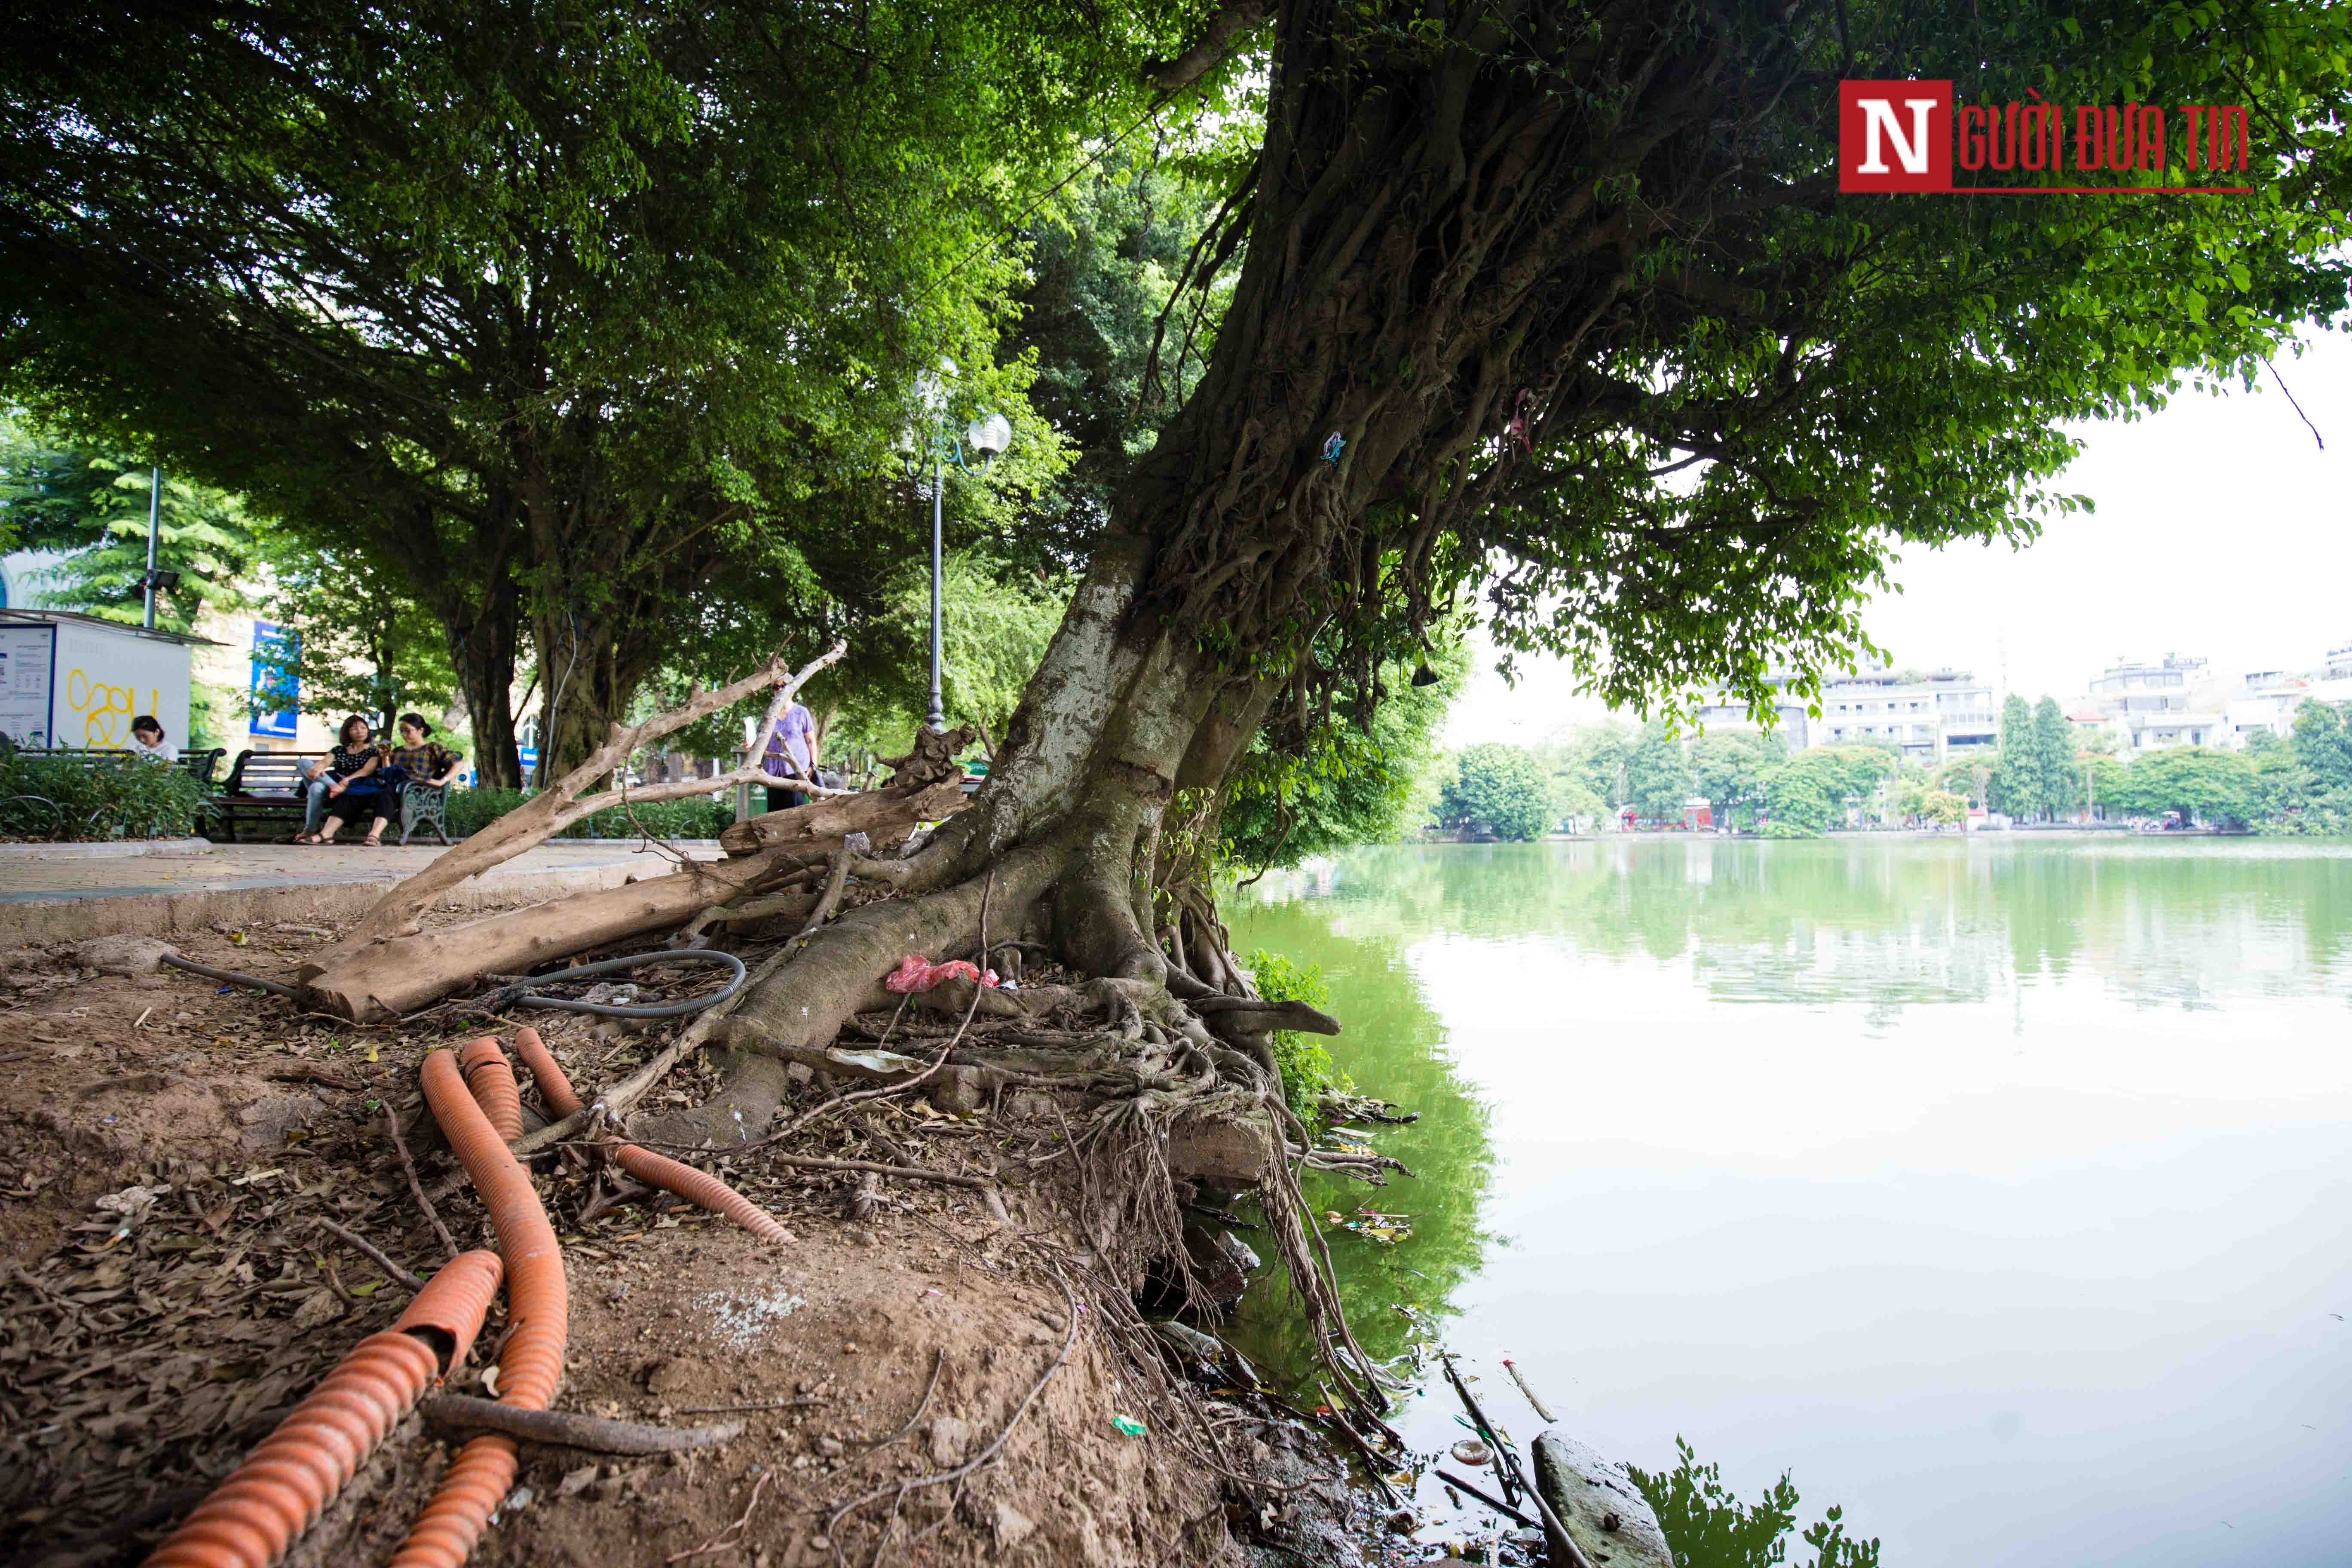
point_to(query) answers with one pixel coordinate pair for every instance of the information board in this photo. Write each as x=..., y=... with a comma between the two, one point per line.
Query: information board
x=277, y=692
x=29, y=657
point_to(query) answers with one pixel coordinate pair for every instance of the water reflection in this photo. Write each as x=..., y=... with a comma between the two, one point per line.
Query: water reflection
x=1892, y=922
x=1999, y=1189
x=1395, y=1049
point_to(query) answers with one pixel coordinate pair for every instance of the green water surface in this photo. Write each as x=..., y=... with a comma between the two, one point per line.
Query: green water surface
x=1999, y=1188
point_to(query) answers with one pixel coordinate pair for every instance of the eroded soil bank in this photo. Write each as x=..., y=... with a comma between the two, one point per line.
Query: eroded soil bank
x=168, y=1150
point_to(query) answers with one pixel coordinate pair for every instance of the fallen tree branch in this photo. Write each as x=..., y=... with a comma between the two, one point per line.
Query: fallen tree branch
x=559, y=805
x=916, y=1173
x=405, y=1279
x=829, y=901
x=400, y=1145
x=571, y=1429
x=874, y=813
x=389, y=978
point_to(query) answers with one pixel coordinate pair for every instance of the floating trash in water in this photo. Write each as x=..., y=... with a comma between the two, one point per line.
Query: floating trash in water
x=1471, y=1451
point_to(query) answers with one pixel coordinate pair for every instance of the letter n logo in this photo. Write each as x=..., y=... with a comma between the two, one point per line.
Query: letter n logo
x=1894, y=136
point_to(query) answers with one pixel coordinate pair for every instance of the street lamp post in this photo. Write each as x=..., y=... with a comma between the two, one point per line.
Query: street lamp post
x=937, y=717
x=154, y=527
x=988, y=436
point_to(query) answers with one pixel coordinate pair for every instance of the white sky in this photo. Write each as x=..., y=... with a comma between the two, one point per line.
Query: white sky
x=2219, y=532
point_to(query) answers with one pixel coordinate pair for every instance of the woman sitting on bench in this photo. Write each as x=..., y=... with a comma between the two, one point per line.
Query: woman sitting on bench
x=350, y=784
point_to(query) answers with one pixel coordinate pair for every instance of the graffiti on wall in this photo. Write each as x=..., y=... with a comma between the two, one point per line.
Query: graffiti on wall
x=106, y=710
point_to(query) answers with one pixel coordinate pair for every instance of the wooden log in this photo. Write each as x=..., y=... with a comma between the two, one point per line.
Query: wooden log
x=825, y=821
x=389, y=978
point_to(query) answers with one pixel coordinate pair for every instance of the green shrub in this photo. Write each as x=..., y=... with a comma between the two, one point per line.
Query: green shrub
x=1306, y=1065
x=471, y=810
x=68, y=799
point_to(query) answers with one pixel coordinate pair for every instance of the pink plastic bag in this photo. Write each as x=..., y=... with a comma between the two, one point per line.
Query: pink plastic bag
x=914, y=974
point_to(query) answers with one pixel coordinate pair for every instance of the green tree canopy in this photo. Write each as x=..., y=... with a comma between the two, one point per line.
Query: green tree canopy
x=89, y=503
x=2015, y=787
x=2054, y=749
x=1497, y=789
x=1733, y=769
x=1343, y=785
x=2203, y=784
x=563, y=312
x=1658, y=776
x=362, y=643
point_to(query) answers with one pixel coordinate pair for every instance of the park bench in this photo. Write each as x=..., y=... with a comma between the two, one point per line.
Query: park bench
x=423, y=805
x=263, y=787
x=269, y=786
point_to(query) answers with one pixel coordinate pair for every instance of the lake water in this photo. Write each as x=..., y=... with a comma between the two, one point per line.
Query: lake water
x=1997, y=1190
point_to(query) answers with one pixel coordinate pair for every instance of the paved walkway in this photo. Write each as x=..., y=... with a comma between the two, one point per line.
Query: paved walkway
x=58, y=893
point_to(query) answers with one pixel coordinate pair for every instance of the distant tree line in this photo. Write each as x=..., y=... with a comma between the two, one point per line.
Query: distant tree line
x=2045, y=769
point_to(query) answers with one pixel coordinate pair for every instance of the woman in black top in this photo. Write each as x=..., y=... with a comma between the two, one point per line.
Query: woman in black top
x=352, y=783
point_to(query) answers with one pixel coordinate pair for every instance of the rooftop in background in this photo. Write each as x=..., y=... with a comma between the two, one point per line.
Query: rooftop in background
x=24, y=616
x=2128, y=676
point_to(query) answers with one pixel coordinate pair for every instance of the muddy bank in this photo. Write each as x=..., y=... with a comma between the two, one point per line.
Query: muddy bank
x=919, y=1379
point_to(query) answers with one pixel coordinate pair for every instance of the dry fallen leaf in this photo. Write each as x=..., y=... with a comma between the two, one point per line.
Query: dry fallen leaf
x=317, y=1310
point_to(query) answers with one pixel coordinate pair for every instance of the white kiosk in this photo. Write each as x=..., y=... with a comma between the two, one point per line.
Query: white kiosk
x=71, y=679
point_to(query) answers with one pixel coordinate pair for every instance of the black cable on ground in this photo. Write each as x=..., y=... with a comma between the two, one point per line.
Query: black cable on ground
x=274, y=987
x=520, y=996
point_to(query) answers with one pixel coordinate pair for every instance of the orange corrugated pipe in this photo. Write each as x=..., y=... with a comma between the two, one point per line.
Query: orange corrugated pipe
x=695, y=1186
x=533, y=1362
x=291, y=1475
x=494, y=1087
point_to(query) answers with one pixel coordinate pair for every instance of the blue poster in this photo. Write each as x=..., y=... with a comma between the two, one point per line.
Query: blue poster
x=277, y=691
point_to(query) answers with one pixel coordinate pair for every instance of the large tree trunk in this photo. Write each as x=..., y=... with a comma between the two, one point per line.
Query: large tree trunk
x=612, y=571
x=592, y=667
x=1440, y=246
x=482, y=649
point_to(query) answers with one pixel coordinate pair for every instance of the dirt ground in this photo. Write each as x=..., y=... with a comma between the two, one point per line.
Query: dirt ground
x=166, y=1149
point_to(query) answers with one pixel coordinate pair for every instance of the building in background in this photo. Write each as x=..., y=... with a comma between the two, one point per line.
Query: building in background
x=1931, y=714
x=1723, y=712
x=2154, y=705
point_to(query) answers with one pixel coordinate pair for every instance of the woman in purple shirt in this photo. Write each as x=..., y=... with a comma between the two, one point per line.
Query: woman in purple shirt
x=792, y=753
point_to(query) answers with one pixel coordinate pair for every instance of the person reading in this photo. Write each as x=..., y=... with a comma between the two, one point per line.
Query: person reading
x=147, y=741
